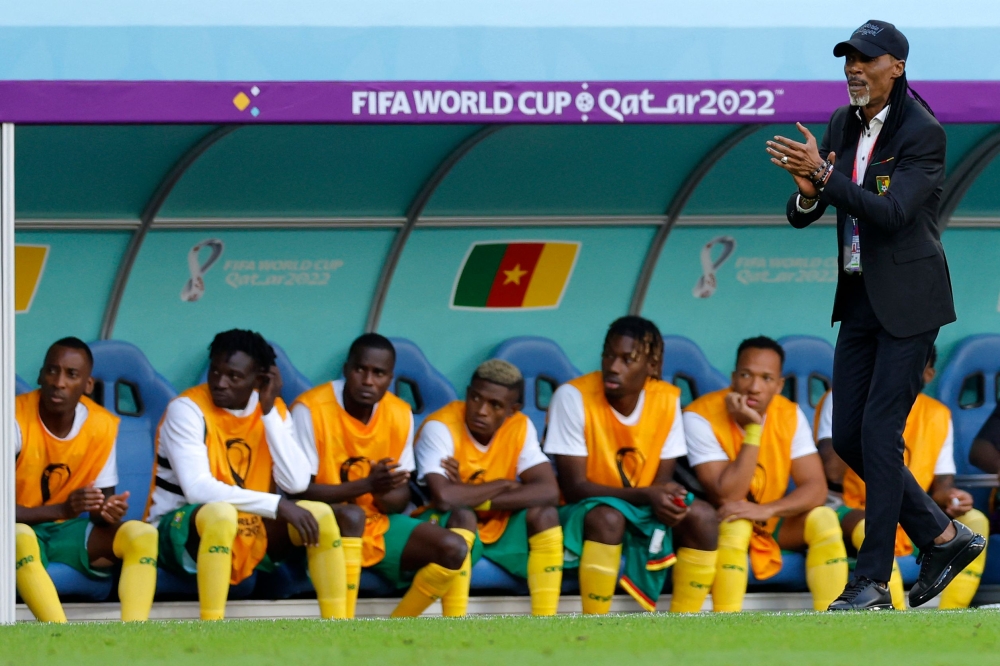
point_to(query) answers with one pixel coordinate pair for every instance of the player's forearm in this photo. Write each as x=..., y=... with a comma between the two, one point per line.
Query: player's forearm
x=985, y=456
x=40, y=514
x=394, y=501
x=335, y=493
x=449, y=496
x=525, y=496
x=291, y=467
x=734, y=481
x=802, y=499
x=577, y=492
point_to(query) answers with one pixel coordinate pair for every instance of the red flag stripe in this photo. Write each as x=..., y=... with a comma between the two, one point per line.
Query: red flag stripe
x=514, y=275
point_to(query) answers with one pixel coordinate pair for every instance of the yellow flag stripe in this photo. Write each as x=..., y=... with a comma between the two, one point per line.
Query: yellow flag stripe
x=550, y=276
x=29, y=260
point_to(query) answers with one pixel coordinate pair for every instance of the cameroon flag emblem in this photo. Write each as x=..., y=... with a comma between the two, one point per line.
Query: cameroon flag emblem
x=522, y=275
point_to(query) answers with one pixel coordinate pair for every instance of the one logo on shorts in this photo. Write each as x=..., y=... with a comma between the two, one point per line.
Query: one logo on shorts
x=54, y=478
x=238, y=455
x=630, y=462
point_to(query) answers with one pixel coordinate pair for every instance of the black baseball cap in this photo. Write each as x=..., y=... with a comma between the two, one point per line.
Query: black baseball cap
x=873, y=39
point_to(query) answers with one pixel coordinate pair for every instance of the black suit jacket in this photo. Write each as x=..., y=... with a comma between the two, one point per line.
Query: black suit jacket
x=902, y=259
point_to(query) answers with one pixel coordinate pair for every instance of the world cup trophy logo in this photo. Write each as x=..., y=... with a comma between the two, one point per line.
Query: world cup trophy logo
x=238, y=455
x=706, y=284
x=630, y=462
x=195, y=286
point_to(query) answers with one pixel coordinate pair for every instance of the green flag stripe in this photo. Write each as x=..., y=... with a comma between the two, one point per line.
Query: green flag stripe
x=477, y=276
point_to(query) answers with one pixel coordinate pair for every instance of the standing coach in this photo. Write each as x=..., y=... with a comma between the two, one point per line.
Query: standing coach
x=883, y=169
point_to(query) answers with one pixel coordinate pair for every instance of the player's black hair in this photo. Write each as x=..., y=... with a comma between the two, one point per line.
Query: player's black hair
x=642, y=331
x=761, y=342
x=370, y=341
x=74, y=343
x=250, y=343
x=932, y=356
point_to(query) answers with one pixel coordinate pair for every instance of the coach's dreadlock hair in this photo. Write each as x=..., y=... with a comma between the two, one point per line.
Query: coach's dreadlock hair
x=642, y=331
x=761, y=342
x=370, y=341
x=504, y=373
x=250, y=343
x=897, y=99
x=74, y=343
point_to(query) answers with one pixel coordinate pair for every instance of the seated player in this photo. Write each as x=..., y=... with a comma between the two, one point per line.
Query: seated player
x=221, y=449
x=745, y=443
x=928, y=438
x=483, y=454
x=359, y=441
x=616, y=435
x=985, y=454
x=65, y=477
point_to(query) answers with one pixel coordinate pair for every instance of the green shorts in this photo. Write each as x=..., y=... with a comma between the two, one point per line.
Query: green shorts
x=509, y=552
x=842, y=512
x=66, y=543
x=400, y=529
x=177, y=553
x=647, y=547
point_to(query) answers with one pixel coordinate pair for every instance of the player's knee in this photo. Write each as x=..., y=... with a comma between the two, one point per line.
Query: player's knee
x=350, y=519
x=976, y=521
x=136, y=537
x=323, y=513
x=25, y=542
x=219, y=517
x=700, y=527
x=822, y=524
x=735, y=534
x=452, y=550
x=462, y=519
x=541, y=518
x=604, y=524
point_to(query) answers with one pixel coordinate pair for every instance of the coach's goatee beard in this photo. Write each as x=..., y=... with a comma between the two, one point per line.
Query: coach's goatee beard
x=860, y=99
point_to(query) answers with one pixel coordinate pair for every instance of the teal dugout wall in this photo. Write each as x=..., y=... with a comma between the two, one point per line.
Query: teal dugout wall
x=306, y=217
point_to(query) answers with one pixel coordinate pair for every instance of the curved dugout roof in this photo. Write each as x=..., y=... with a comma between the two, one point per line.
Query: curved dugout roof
x=73, y=176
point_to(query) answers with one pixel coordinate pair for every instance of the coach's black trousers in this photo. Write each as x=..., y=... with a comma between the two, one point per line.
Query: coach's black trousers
x=876, y=379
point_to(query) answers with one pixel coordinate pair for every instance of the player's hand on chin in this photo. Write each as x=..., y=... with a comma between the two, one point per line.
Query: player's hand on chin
x=743, y=509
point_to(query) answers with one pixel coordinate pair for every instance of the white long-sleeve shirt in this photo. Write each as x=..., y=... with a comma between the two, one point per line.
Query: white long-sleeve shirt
x=182, y=445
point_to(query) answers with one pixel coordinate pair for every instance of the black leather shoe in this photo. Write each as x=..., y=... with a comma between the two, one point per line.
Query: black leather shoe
x=863, y=594
x=940, y=564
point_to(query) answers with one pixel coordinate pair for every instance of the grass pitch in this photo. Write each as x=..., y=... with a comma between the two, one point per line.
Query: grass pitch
x=749, y=639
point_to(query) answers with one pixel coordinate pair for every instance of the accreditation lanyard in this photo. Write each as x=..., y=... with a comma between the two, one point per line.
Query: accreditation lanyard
x=854, y=264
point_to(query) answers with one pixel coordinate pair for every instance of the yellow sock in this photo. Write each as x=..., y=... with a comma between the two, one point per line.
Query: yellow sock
x=352, y=570
x=858, y=535
x=216, y=523
x=826, y=557
x=325, y=561
x=545, y=567
x=33, y=582
x=730, y=584
x=694, y=573
x=429, y=585
x=599, y=564
x=963, y=587
x=455, y=602
x=136, y=544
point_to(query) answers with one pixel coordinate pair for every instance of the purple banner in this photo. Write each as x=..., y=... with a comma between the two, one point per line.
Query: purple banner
x=462, y=102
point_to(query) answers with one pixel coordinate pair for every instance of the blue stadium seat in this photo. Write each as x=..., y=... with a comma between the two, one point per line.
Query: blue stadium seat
x=171, y=586
x=544, y=365
x=129, y=387
x=808, y=370
x=418, y=382
x=791, y=578
x=968, y=386
x=21, y=386
x=293, y=382
x=685, y=366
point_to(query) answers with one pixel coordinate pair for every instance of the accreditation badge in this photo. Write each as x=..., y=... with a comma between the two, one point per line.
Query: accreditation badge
x=882, y=184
